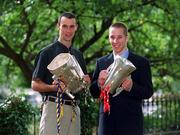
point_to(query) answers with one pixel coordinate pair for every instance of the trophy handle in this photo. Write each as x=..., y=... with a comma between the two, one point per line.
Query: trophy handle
x=54, y=77
x=118, y=91
x=69, y=94
x=77, y=67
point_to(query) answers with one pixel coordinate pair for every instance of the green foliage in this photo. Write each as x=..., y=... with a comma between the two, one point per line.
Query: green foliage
x=15, y=116
x=89, y=114
x=10, y=73
x=28, y=26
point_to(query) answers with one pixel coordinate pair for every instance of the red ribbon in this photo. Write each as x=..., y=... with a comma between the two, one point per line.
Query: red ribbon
x=105, y=96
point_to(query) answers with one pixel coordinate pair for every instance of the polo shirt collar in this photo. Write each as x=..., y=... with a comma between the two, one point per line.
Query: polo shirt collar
x=63, y=47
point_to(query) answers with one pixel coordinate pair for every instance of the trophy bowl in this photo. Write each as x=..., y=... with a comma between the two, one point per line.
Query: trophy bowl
x=117, y=72
x=66, y=68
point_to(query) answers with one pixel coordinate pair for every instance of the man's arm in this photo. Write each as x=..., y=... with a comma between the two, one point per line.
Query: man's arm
x=94, y=87
x=40, y=86
x=142, y=82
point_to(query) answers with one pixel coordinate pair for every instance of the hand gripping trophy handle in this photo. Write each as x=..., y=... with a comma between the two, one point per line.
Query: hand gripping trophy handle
x=66, y=66
x=65, y=90
x=118, y=71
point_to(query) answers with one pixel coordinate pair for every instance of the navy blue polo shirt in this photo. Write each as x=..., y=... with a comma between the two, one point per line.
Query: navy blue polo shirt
x=46, y=55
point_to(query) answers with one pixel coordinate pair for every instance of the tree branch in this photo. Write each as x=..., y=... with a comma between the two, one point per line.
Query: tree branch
x=97, y=54
x=19, y=61
x=4, y=42
x=29, y=32
x=28, y=36
x=105, y=25
x=163, y=60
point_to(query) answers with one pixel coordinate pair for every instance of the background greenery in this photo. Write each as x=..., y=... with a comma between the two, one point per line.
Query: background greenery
x=26, y=26
x=16, y=116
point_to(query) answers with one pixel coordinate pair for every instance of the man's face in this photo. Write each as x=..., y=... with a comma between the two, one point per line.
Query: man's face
x=67, y=29
x=118, y=39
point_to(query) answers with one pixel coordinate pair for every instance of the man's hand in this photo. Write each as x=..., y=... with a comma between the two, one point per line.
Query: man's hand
x=102, y=77
x=87, y=79
x=62, y=85
x=127, y=84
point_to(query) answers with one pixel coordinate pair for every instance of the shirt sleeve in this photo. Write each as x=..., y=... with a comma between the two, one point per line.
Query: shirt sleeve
x=40, y=68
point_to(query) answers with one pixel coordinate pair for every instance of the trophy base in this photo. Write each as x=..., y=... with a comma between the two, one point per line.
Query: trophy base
x=118, y=91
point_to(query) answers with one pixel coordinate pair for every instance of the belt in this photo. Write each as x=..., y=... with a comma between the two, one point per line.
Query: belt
x=66, y=102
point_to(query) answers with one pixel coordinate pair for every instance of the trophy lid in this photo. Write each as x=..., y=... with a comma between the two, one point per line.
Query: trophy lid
x=58, y=61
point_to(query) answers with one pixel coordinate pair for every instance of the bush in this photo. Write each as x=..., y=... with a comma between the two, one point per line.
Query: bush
x=89, y=115
x=15, y=116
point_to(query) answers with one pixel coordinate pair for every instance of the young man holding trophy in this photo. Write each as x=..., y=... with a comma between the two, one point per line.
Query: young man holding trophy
x=121, y=80
x=59, y=75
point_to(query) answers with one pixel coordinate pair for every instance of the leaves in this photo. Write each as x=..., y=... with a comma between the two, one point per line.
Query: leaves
x=16, y=114
x=28, y=26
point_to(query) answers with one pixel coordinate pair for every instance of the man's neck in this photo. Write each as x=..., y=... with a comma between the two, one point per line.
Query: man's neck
x=119, y=53
x=65, y=43
x=123, y=53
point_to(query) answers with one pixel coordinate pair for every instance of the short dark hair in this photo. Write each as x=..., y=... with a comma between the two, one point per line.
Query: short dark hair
x=67, y=15
x=120, y=25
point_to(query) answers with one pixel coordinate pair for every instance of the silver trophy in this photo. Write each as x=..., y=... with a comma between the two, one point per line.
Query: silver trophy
x=117, y=72
x=65, y=66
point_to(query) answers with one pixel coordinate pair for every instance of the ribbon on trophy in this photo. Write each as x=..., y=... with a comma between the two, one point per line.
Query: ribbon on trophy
x=59, y=106
x=105, y=97
x=117, y=72
x=65, y=67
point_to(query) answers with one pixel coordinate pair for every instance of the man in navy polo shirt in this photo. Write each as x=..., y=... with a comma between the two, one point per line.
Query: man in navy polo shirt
x=42, y=81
